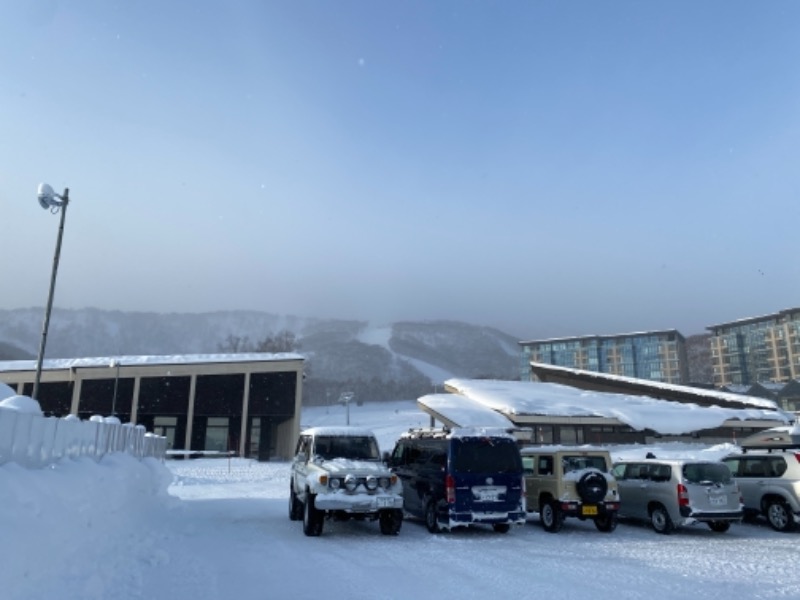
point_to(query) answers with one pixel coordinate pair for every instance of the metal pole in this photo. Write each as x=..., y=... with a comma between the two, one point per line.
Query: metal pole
x=114, y=399
x=43, y=342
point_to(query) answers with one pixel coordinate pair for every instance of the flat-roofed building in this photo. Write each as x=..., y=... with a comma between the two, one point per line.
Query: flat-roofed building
x=652, y=355
x=757, y=349
x=246, y=403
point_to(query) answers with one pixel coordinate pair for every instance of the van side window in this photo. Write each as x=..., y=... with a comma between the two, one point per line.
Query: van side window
x=399, y=455
x=545, y=465
x=438, y=459
x=636, y=471
x=660, y=472
x=732, y=464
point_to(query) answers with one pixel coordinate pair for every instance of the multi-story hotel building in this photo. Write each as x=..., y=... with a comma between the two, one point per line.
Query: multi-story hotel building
x=757, y=350
x=653, y=355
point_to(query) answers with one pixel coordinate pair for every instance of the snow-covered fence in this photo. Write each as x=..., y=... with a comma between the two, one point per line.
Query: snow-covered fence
x=35, y=441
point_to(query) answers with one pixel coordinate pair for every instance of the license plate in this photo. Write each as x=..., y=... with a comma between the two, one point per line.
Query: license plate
x=384, y=502
x=589, y=511
x=718, y=500
x=487, y=493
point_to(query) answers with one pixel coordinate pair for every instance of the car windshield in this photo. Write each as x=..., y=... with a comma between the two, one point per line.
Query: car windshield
x=578, y=463
x=486, y=455
x=353, y=447
x=706, y=473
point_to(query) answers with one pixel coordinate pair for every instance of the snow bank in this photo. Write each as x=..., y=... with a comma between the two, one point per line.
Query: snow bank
x=100, y=511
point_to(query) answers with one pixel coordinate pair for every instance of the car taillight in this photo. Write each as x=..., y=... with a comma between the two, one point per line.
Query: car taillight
x=450, y=487
x=797, y=456
x=683, y=495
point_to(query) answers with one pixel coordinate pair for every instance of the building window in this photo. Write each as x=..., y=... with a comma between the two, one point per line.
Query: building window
x=166, y=426
x=217, y=434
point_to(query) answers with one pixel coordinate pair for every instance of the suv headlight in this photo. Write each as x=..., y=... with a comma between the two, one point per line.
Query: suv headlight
x=335, y=483
x=371, y=483
x=384, y=482
x=350, y=482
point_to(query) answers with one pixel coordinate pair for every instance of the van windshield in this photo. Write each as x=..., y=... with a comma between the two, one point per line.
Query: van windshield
x=486, y=455
x=706, y=473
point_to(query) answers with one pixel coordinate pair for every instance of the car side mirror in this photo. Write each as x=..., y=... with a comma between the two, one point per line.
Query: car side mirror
x=387, y=458
x=300, y=457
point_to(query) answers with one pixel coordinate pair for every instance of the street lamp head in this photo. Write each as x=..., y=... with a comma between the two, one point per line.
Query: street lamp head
x=48, y=199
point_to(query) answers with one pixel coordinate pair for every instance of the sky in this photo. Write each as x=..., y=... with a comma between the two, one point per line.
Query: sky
x=549, y=169
x=206, y=529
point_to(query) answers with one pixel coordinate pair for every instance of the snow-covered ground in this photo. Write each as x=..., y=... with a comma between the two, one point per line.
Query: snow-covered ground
x=208, y=529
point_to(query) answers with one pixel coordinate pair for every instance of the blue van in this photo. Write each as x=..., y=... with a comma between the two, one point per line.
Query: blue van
x=461, y=477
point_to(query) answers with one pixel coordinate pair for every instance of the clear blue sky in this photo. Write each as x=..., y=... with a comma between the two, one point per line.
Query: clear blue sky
x=548, y=168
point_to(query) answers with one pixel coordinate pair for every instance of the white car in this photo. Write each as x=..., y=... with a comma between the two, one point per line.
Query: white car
x=768, y=473
x=337, y=473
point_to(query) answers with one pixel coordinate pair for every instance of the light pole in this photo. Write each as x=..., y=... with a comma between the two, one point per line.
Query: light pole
x=114, y=363
x=51, y=201
x=345, y=398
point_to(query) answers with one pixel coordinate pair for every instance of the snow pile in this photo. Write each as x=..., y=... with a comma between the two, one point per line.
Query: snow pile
x=70, y=521
x=6, y=391
x=22, y=404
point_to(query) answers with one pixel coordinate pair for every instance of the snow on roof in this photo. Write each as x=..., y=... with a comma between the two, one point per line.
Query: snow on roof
x=463, y=411
x=175, y=359
x=518, y=398
x=480, y=432
x=607, y=336
x=710, y=394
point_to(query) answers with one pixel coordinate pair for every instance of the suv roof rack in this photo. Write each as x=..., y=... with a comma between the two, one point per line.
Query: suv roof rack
x=428, y=432
x=772, y=439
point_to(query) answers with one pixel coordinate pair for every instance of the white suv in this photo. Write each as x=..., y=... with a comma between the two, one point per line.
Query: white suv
x=768, y=473
x=337, y=472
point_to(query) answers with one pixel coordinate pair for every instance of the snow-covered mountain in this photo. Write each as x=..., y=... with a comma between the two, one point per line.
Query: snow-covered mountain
x=377, y=362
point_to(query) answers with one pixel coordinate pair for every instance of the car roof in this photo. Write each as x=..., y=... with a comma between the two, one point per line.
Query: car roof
x=554, y=449
x=667, y=461
x=340, y=431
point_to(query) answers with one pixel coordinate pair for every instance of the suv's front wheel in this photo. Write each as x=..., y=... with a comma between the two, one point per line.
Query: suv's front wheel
x=295, y=506
x=312, y=518
x=551, y=516
x=390, y=521
x=779, y=516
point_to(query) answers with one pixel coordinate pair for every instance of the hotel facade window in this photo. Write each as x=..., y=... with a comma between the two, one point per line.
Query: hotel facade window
x=757, y=350
x=654, y=355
